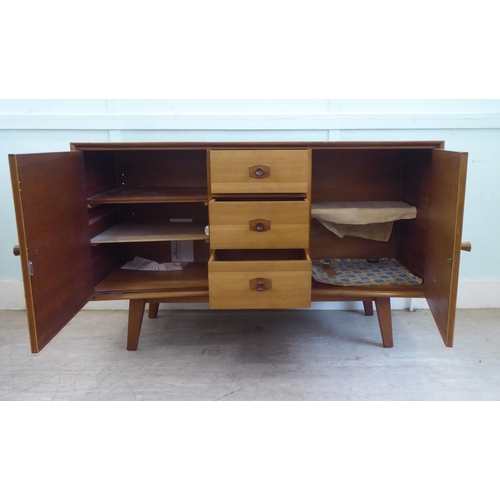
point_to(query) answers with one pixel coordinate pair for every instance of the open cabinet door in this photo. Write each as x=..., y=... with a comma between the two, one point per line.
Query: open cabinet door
x=52, y=224
x=446, y=206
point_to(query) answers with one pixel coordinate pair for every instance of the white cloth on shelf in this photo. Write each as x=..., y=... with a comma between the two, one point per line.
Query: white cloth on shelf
x=141, y=264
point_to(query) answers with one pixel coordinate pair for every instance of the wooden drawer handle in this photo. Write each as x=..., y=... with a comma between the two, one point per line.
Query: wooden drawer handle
x=259, y=171
x=259, y=225
x=261, y=284
x=16, y=251
x=466, y=246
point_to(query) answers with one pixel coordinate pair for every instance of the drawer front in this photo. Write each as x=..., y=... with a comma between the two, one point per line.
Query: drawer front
x=259, y=285
x=260, y=171
x=269, y=224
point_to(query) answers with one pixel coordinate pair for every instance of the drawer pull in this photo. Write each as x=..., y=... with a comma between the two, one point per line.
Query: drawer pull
x=259, y=171
x=261, y=284
x=259, y=225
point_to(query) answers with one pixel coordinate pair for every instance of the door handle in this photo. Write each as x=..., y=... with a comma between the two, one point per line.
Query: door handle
x=466, y=246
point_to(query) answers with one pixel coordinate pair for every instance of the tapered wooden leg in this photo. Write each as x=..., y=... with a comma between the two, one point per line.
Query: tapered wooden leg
x=385, y=320
x=368, y=305
x=135, y=315
x=153, y=309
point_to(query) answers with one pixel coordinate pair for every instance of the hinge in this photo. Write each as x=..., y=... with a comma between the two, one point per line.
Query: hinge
x=30, y=264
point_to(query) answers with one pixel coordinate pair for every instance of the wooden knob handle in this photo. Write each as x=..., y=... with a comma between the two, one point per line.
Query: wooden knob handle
x=466, y=246
x=259, y=171
x=259, y=225
x=16, y=251
x=261, y=284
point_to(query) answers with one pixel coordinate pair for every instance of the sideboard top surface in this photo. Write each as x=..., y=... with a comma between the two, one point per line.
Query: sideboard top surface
x=98, y=146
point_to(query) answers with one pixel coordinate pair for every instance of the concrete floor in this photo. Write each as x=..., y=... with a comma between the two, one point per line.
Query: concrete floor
x=255, y=355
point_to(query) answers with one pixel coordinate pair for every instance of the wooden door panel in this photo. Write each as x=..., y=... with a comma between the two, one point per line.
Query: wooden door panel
x=51, y=213
x=446, y=205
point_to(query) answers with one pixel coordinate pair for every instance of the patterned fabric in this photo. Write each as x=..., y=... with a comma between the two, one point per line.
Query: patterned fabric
x=360, y=272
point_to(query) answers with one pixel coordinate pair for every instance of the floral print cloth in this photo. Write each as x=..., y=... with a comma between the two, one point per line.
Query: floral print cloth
x=360, y=272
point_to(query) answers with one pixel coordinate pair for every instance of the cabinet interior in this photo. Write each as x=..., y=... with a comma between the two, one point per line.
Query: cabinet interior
x=153, y=192
x=373, y=175
x=152, y=187
x=259, y=255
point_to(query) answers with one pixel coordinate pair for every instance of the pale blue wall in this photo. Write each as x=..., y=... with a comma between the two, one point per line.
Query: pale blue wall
x=28, y=126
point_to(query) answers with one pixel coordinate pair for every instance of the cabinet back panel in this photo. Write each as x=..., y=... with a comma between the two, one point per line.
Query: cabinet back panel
x=164, y=212
x=162, y=168
x=99, y=172
x=161, y=251
x=259, y=255
x=355, y=175
x=325, y=244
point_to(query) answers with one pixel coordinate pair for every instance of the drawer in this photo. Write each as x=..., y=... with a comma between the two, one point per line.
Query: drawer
x=260, y=171
x=259, y=224
x=259, y=279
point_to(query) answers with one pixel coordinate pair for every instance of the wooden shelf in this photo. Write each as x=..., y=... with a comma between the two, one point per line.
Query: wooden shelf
x=324, y=292
x=149, y=195
x=133, y=232
x=193, y=279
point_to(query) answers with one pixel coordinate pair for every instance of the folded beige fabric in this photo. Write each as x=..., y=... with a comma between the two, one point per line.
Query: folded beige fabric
x=371, y=220
x=377, y=232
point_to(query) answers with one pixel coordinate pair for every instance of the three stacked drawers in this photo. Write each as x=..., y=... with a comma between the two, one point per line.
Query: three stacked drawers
x=259, y=216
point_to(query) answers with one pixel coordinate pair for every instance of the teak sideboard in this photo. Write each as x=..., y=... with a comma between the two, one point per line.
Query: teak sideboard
x=244, y=210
